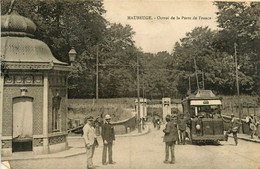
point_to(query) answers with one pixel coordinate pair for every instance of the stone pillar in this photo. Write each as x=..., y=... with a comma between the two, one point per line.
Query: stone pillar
x=45, y=114
x=143, y=108
x=166, y=107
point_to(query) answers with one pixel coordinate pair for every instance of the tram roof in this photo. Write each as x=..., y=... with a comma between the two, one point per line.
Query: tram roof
x=203, y=94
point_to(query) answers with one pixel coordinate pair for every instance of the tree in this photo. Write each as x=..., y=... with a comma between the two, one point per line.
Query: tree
x=195, y=57
x=118, y=62
x=155, y=74
x=239, y=23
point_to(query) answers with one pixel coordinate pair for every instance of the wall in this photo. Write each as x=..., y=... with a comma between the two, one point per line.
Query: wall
x=36, y=92
x=33, y=83
x=12, y=88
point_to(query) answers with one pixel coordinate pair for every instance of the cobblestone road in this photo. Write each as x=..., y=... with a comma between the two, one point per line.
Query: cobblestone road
x=147, y=152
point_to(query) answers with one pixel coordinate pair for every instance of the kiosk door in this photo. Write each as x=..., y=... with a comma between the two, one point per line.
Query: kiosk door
x=22, y=124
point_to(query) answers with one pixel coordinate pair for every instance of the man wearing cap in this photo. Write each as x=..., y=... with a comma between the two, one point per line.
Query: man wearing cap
x=170, y=137
x=89, y=137
x=108, y=136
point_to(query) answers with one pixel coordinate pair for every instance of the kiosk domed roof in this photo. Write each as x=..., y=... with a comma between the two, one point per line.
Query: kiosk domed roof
x=14, y=22
x=18, y=47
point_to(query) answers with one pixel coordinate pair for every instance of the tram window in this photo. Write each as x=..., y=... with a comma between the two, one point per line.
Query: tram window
x=204, y=111
x=192, y=111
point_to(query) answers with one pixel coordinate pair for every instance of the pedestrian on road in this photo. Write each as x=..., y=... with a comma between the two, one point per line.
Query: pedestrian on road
x=108, y=136
x=158, y=124
x=170, y=137
x=252, y=125
x=90, y=140
x=143, y=122
x=235, y=124
x=182, y=123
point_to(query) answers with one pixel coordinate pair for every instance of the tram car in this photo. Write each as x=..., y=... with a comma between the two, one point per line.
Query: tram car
x=204, y=111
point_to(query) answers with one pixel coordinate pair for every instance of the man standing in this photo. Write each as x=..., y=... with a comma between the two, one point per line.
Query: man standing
x=108, y=136
x=182, y=122
x=170, y=137
x=89, y=137
x=252, y=125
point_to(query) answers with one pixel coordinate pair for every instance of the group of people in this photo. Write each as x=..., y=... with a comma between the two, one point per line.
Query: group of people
x=182, y=127
x=175, y=132
x=235, y=124
x=108, y=137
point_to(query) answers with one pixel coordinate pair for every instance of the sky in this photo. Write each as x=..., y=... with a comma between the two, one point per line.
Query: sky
x=161, y=29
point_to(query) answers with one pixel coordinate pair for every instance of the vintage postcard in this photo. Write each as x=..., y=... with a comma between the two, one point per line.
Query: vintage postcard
x=130, y=84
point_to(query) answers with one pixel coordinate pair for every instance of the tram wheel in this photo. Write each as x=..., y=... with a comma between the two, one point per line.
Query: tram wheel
x=194, y=142
x=216, y=142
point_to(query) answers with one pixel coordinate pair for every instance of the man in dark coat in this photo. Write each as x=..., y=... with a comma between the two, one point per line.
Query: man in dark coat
x=170, y=137
x=108, y=136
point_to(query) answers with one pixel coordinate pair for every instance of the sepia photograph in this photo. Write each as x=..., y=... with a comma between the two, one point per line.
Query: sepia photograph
x=130, y=84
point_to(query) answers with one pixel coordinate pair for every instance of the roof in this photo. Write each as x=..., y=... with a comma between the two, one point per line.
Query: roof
x=25, y=49
x=203, y=94
x=14, y=22
x=19, y=50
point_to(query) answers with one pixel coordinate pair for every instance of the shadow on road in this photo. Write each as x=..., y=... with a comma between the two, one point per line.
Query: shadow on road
x=204, y=143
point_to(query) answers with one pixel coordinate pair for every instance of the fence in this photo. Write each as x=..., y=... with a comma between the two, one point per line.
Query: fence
x=125, y=126
x=120, y=127
x=246, y=109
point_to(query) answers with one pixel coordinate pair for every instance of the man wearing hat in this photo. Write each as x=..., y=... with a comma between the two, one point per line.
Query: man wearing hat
x=89, y=137
x=108, y=136
x=170, y=137
x=234, y=126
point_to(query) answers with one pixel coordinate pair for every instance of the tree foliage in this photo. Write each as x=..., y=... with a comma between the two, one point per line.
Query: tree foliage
x=240, y=24
x=64, y=24
x=213, y=52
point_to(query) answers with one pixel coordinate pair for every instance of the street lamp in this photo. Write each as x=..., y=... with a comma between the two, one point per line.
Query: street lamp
x=72, y=55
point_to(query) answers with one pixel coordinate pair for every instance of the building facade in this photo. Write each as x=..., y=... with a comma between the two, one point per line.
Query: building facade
x=33, y=101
